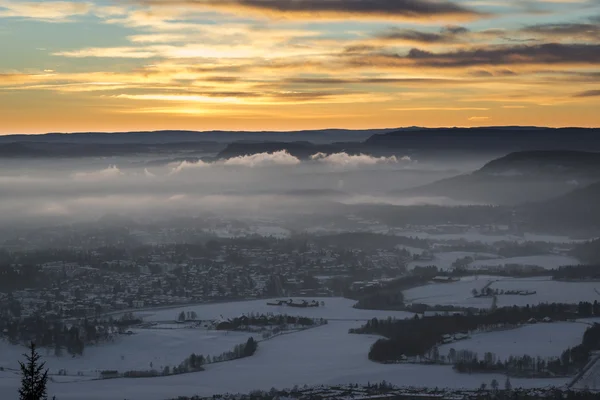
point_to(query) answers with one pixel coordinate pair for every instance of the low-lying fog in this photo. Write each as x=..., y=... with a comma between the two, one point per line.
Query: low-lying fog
x=90, y=188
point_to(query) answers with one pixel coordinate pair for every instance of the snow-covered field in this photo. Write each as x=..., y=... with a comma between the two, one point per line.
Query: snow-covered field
x=445, y=260
x=548, y=261
x=543, y=340
x=460, y=293
x=324, y=355
x=335, y=308
x=548, y=291
x=161, y=347
x=455, y=293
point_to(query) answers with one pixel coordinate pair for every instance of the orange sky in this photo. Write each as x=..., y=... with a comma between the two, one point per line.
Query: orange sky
x=281, y=65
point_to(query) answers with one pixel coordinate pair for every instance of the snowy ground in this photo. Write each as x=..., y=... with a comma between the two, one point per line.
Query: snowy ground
x=335, y=308
x=454, y=293
x=543, y=340
x=548, y=291
x=324, y=355
x=590, y=379
x=460, y=293
x=445, y=260
x=161, y=347
x=548, y=261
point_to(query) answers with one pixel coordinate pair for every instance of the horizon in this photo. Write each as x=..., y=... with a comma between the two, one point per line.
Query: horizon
x=103, y=65
x=316, y=130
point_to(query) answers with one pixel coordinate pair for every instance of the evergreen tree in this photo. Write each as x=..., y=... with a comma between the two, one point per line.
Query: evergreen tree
x=250, y=347
x=495, y=384
x=507, y=384
x=33, y=377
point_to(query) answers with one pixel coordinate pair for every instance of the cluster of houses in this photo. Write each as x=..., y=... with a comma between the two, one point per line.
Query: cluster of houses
x=169, y=276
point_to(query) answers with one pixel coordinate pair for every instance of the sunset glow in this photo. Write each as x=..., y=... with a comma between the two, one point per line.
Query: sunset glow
x=104, y=65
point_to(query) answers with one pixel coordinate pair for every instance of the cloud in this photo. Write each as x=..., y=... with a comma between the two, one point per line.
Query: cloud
x=263, y=159
x=479, y=118
x=148, y=174
x=254, y=160
x=334, y=9
x=565, y=30
x=185, y=165
x=347, y=160
x=109, y=52
x=588, y=93
x=109, y=173
x=450, y=34
x=52, y=11
x=543, y=54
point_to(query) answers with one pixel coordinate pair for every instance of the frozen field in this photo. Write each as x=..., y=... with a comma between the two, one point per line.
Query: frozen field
x=445, y=260
x=460, y=293
x=324, y=355
x=548, y=291
x=548, y=261
x=161, y=347
x=543, y=340
x=454, y=293
x=335, y=309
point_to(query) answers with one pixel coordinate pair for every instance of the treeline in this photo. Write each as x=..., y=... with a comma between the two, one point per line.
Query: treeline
x=577, y=272
x=368, y=241
x=587, y=309
x=588, y=252
x=21, y=277
x=390, y=296
x=55, y=334
x=524, y=366
x=193, y=363
x=415, y=337
x=262, y=320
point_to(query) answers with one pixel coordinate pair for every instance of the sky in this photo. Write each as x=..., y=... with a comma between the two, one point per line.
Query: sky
x=103, y=65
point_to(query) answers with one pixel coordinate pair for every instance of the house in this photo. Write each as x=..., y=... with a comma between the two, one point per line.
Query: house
x=138, y=303
x=429, y=314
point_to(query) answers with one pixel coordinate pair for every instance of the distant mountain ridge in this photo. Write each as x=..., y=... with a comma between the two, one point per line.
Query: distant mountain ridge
x=182, y=136
x=507, y=139
x=578, y=209
x=560, y=162
x=519, y=177
x=492, y=141
x=489, y=140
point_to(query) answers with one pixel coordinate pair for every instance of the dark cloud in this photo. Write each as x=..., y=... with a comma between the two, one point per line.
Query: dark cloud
x=582, y=76
x=448, y=34
x=221, y=79
x=588, y=93
x=330, y=8
x=361, y=48
x=565, y=30
x=485, y=73
x=549, y=53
